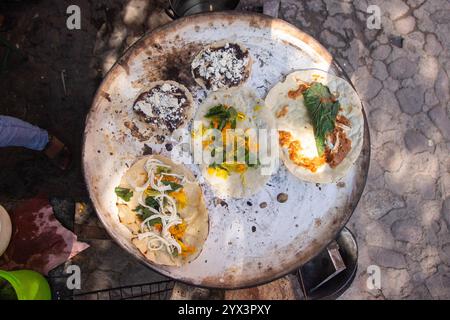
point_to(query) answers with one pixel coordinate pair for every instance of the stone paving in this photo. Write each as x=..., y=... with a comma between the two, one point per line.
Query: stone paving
x=401, y=72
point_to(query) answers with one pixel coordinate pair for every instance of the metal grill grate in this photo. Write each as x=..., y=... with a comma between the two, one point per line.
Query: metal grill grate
x=150, y=291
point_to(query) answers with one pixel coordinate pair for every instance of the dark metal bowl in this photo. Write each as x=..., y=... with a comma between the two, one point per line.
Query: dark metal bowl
x=182, y=8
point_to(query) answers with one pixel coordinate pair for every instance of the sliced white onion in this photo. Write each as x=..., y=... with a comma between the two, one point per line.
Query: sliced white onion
x=138, y=188
x=142, y=203
x=151, y=247
x=170, y=224
x=174, y=243
x=172, y=175
x=167, y=212
x=153, y=235
x=153, y=217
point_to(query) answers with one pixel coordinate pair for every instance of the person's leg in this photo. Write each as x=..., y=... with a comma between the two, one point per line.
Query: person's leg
x=17, y=133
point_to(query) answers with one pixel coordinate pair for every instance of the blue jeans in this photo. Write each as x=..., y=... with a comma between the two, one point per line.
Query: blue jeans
x=17, y=133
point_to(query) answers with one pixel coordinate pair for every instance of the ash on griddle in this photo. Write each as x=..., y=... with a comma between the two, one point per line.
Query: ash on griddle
x=221, y=202
x=164, y=106
x=175, y=64
x=134, y=130
x=160, y=139
x=169, y=147
x=147, y=150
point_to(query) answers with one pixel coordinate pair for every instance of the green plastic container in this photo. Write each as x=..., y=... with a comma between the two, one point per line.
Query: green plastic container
x=28, y=285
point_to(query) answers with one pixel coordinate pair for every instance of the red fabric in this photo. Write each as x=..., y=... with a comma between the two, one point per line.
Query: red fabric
x=39, y=242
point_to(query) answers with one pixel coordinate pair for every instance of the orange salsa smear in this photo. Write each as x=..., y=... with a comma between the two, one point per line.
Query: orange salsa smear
x=294, y=147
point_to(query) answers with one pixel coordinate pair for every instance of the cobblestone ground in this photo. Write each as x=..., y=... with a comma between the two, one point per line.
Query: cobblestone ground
x=400, y=71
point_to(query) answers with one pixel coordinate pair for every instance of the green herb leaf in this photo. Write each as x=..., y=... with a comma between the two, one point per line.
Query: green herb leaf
x=218, y=111
x=322, y=109
x=222, y=124
x=224, y=115
x=232, y=113
x=160, y=169
x=175, y=186
x=233, y=123
x=215, y=165
x=145, y=213
x=123, y=193
x=152, y=192
x=154, y=221
x=152, y=202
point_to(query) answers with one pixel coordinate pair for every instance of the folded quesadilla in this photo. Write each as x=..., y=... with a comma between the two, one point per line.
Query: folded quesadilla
x=320, y=124
x=228, y=127
x=163, y=207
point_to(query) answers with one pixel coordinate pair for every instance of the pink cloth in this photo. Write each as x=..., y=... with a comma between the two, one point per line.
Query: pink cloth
x=39, y=242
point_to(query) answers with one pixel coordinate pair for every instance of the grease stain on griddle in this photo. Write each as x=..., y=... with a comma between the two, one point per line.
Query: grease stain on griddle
x=282, y=197
x=160, y=139
x=134, y=130
x=124, y=65
x=317, y=222
x=169, y=147
x=221, y=202
x=259, y=23
x=341, y=184
x=147, y=150
x=176, y=64
x=105, y=95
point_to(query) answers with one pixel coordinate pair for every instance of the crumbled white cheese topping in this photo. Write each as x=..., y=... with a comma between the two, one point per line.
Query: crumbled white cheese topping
x=221, y=67
x=162, y=105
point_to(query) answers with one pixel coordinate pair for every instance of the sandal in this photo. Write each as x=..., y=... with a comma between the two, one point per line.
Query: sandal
x=58, y=153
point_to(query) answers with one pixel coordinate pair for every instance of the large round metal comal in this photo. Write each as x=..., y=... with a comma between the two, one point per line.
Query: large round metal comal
x=251, y=241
